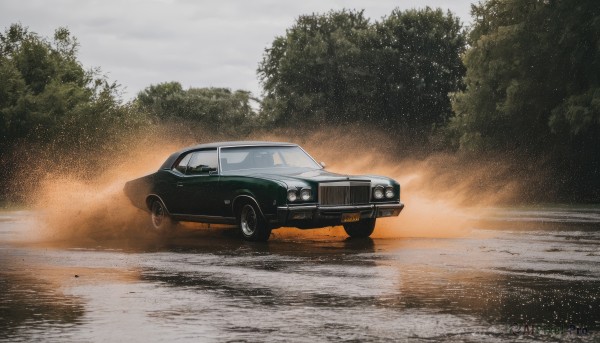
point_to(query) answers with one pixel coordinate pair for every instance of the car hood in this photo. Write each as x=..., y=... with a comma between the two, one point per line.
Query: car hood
x=313, y=177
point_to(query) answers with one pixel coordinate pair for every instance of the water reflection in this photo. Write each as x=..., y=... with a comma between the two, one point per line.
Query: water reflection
x=274, y=273
x=30, y=306
x=208, y=285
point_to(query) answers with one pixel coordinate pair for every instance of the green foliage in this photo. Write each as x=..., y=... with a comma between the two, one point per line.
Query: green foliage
x=578, y=115
x=532, y=84
x=217, y=109
x=419, y=65
x=47, y=98
x=341, y=68
x=50, y=107
x=532, y=70
x=310, y=75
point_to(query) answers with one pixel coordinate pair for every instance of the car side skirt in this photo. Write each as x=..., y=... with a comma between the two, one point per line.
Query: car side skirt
x=203, y=219
x=305, y=216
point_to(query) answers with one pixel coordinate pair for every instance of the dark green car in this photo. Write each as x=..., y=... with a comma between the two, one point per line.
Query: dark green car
x=261, y=186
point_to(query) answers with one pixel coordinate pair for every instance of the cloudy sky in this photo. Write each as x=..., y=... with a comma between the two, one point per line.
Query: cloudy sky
x=199, y=43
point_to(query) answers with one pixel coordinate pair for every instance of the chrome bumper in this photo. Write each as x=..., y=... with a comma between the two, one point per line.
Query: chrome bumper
x=321, y=215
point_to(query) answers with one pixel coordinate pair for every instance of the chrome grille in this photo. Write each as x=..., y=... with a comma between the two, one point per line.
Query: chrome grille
x=344, y=193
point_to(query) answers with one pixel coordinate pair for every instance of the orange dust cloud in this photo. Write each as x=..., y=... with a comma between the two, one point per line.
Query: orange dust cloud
x=443, y=196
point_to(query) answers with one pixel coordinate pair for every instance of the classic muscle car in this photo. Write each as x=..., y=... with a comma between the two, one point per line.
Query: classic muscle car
x=261, y=186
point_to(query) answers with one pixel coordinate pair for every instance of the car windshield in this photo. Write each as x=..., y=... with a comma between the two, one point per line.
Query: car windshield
x=265, y=157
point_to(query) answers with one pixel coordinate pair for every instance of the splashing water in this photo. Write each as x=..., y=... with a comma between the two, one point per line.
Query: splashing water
x=443, y=197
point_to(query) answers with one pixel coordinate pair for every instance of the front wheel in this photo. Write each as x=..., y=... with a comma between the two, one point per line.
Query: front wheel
x=160, y=219
x=253, y=226
x=360, y=229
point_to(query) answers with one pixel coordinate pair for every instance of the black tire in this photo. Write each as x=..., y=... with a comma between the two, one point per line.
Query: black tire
x=253, y=227
x=360, y=229
x=159, y=218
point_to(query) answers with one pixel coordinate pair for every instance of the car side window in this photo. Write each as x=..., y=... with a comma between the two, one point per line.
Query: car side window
x=182, y=165
x=203, y=162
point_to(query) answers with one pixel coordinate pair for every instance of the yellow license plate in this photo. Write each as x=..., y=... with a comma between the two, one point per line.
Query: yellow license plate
x=350, y=217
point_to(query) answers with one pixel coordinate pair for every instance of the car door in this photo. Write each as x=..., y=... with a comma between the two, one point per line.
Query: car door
x=199, y=188
x=170, y=189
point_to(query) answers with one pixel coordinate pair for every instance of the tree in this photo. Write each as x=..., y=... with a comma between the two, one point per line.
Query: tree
x=50, y=105
x=418, y=65
x=532, y=83
x=340, y=68
x=47, y=97
x=316, y=73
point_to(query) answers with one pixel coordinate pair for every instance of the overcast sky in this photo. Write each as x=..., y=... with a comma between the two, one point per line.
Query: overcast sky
x=198, y=43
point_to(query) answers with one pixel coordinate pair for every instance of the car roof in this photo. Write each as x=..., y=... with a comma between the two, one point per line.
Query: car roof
x=234, y=143
x=169, y=162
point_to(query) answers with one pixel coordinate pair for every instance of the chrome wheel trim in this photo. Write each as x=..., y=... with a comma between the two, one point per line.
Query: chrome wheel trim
x=158, y=214
x=248, y=220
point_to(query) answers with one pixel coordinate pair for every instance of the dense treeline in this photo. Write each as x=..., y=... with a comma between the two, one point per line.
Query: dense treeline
x=218, y=109
x=533, y=88
x=51, y=109
x=48, y=99
x=523, y=82
x=56, y=115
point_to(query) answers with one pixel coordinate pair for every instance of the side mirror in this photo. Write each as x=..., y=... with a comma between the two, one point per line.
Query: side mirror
x=323, y=164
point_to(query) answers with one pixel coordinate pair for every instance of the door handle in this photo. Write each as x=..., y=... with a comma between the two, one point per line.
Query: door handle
x=179, y=184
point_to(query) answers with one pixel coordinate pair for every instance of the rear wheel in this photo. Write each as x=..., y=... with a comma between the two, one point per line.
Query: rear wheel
x=253, y=226
x=160, y=219
x=360, y=229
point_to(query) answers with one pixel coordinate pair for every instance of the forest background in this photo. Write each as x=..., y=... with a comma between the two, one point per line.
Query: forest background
x=520, y=86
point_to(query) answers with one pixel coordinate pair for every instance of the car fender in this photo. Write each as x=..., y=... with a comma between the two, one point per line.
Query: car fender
x=247, y=197
x=152, y=196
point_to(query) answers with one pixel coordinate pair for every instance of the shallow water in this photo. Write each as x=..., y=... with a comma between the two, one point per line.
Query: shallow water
x=527, y=274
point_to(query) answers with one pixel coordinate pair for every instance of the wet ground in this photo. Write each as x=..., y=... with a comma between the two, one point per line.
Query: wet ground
x=520, y=274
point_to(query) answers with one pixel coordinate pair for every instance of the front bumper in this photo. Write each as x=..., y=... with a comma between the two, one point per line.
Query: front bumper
x=313, y=216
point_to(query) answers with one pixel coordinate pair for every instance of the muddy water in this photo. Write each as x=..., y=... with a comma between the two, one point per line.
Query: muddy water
x=528, y=274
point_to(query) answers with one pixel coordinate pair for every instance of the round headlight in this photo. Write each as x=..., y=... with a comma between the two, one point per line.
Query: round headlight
x=389, y=192
x=378, y=192
x=292, y=196
x=305, y=194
